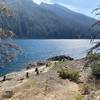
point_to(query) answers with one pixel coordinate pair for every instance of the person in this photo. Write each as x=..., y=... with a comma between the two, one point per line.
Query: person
x=47, y=65
x=27, y=75
x=37, y=71
x=4, y=78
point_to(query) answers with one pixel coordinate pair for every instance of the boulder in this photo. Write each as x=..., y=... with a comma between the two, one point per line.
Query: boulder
x=29, y=66
x=41, y=63
x=7, y=94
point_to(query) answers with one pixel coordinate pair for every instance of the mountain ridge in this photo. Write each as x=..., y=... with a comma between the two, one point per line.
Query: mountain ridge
x=51, y=21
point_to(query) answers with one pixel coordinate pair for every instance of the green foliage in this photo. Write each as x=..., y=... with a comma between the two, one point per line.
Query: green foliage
x=79, y=97
x=92, y=56
x=96, y=70
x=86, y=88
x=48, y=64
x=69, y=73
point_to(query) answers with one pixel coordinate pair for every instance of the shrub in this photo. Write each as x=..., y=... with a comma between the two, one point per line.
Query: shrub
x=92, y=56
x=48, y=64
x=86, y=88
x=96, y=70
x=69, y=73
x=79, y=97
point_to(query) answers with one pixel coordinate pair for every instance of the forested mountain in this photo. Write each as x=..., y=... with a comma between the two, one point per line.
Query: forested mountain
x=30, y=20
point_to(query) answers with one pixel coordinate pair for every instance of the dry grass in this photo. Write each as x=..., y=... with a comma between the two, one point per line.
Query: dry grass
x=46, y=91
x=47, y=86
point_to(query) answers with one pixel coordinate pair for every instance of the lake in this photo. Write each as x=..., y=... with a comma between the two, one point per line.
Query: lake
x=35, y=50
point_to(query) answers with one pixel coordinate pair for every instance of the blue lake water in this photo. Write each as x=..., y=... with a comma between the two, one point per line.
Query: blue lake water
x=35, y=50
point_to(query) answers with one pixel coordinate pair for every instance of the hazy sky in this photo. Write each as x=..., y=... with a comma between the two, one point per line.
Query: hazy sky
x=82, y=6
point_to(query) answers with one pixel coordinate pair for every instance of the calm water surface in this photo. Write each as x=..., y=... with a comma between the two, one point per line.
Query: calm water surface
x=35, y=50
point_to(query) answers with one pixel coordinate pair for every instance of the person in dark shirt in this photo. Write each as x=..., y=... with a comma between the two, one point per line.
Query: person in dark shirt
x=4, y=78
x=37, y=71
x=27, y=75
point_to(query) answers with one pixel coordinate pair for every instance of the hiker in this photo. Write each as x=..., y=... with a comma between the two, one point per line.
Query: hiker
x=27, y=75
x=4, y=78
x=47, y=65
x=37, y=71
x=55, y=63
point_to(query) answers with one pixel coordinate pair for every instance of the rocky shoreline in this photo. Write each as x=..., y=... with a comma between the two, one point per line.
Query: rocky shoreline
x=41, y=65
x=21, y=75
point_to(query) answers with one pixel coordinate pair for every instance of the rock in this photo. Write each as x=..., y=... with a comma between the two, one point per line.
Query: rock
x=28, y=67
x=60, y=58
x=21, y=79
x=98, y=98
x=31, y=66
x=7, y=94
x=40, y=63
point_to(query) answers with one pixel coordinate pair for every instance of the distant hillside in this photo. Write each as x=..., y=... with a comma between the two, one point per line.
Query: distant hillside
x=46, y=21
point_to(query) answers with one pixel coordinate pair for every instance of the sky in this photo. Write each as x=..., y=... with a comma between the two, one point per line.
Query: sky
x=81, y=6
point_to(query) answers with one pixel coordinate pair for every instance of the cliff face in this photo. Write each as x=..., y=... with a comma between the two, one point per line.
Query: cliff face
x=46, y=21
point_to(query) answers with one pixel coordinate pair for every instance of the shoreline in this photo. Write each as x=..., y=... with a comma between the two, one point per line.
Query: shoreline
x=47, y=83
x=24, y=68
x=15, y=79
x=36, y=64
